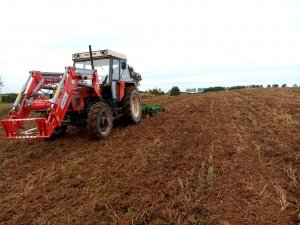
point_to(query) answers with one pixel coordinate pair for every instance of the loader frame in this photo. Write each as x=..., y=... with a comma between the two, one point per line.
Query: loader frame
x=66, y=91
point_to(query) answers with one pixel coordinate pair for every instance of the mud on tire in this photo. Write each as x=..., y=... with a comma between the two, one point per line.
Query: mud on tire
x=100, y=121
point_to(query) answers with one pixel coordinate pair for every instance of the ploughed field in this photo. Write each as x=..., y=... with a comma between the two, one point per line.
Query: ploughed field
x=224, y=158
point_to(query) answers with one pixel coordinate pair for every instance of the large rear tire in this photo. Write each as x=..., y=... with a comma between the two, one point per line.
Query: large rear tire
x=131, y=105
x=99, y=121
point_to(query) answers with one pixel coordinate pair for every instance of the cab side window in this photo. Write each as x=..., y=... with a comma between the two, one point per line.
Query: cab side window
x=116, y=69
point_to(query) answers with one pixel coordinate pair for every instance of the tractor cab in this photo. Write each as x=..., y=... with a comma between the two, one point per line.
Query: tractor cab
x=111, y=66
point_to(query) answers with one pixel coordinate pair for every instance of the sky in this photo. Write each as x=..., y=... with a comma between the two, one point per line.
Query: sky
x=189, y=44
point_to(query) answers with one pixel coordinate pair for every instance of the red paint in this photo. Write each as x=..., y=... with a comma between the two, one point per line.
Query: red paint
x=55, y=113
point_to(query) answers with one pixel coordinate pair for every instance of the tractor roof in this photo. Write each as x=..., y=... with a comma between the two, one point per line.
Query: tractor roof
x=99, y=54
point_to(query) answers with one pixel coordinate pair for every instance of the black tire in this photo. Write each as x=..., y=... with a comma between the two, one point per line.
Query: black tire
x=58, y=132
x=99, y=120
x=131, y=106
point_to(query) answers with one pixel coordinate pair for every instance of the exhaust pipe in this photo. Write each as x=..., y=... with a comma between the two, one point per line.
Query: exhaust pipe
x=91, y=57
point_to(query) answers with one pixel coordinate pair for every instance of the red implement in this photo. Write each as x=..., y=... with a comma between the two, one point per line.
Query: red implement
x=52, y=110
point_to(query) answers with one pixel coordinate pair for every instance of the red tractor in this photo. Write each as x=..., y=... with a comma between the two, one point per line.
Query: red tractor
x=92, y=92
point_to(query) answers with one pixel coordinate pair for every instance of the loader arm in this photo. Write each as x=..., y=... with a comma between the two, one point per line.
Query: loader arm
x=29, y=99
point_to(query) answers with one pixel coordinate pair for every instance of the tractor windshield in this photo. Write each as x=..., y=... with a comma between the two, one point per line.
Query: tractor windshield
x=101, y=65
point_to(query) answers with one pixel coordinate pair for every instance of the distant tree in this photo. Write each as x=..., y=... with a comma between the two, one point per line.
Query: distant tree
x=10, y=98
x=214, y=89
x=275, y=86
x=156, y=91
x=268, y=86
x=284, y=86
x=175, y=91
x=254, y=86
x=137, y=77
x=295, y=85
x=193, y=90
x=236, y=87
x=1, y=84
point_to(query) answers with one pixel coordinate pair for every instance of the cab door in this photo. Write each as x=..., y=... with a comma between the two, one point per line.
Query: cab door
x=115, y=79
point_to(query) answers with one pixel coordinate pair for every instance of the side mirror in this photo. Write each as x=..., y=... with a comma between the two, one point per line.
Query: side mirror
x=123, y=65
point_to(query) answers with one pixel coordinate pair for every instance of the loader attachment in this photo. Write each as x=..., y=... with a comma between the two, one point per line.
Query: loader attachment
x=16, y=128
x=43, y=102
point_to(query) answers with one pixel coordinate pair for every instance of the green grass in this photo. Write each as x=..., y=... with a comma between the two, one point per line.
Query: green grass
x=4, y=107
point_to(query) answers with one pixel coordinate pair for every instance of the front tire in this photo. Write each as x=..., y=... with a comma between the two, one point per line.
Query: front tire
x=58, y=132
x=99, y=121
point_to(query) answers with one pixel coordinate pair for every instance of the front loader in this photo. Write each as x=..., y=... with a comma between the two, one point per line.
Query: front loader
x=92, y=92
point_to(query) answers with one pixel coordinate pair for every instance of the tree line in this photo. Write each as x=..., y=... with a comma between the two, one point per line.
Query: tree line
x=220, y=88
x=9, y=98
x=157, y=91
x=176, y=91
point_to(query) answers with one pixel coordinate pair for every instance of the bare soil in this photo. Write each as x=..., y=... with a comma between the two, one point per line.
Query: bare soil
x=218, y=158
